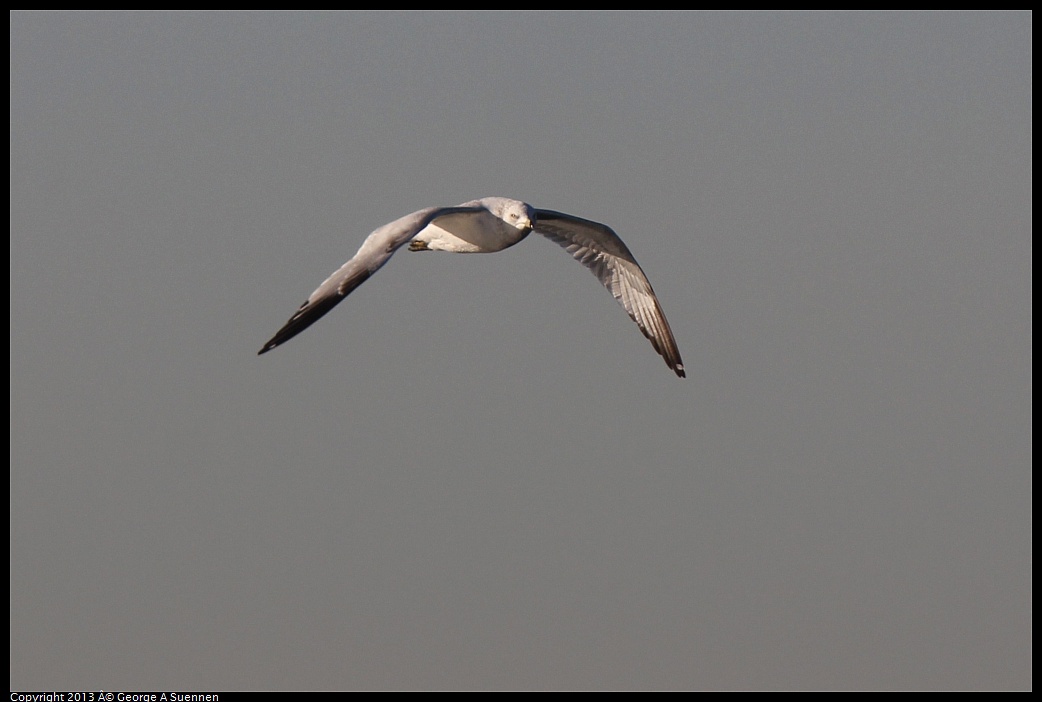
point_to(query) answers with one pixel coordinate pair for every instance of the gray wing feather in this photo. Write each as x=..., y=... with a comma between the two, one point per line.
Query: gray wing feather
x=601, y=250
x=375, y=251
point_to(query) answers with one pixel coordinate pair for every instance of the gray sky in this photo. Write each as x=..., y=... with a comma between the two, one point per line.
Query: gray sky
x=475, y=472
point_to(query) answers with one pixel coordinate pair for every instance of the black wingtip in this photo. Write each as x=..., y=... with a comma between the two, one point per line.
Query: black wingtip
x=309, y=313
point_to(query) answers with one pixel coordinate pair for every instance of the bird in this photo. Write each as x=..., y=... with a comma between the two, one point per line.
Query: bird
x=488, y=225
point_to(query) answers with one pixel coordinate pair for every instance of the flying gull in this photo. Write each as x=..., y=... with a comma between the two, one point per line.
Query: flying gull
x=493, y=224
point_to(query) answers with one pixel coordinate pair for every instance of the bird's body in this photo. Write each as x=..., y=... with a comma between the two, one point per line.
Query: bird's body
x=485, y=226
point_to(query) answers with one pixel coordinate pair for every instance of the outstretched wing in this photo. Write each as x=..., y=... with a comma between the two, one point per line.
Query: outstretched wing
x=601, y=250
x=375, y=251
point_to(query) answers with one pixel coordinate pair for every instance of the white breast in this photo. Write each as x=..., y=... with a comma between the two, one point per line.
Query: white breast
x=470, y=232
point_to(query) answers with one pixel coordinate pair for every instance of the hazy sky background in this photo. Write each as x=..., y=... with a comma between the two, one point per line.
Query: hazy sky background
x=475, y=472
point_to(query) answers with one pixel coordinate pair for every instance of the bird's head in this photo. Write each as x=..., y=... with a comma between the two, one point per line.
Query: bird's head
x=516, y=213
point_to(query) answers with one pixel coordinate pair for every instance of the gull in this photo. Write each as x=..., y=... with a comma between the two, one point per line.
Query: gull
x=493, y=224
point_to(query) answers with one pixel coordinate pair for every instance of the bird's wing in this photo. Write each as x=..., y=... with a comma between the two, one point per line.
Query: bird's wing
x=374, y=253
x=601, y=250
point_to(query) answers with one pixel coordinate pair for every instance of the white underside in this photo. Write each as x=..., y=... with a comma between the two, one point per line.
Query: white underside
x=470, y=233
